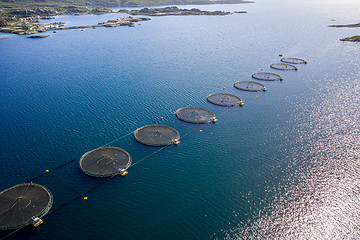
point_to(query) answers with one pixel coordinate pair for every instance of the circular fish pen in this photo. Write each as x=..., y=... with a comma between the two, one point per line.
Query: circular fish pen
x=293, y=60
x=21, y=203
x=267, y=76
x=105, y=161
x=283, y=67
x=156, y=135
x=249, y=86
x=195, y=115
x=224, y=99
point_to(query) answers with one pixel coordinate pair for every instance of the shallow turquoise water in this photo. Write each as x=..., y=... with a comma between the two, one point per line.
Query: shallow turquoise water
x=282, y=166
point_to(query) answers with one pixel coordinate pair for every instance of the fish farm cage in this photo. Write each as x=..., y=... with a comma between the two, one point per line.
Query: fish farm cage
x=105, y=162
x=249, y=86
x=267, y=76
x=283, y=67
x=293, y=60
x=195, y=115
x=224, y=99
x=156, y=135
x=21, y=204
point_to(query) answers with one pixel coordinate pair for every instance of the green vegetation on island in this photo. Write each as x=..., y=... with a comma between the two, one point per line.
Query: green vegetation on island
x=108, y=3
x=26, y=20
x=348, y=39
x=351, y=39
x=26, y=28
x=20, y=17
x=168, y=11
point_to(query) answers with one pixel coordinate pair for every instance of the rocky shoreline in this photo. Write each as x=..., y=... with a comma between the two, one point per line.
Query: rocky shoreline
x=26, y=20
x=127, y=21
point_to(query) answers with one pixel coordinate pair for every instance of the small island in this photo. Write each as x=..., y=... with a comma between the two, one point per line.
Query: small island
x=172, y=11
x=38, y=36
x=348, y=39
x=354, y=25
x=351, y=39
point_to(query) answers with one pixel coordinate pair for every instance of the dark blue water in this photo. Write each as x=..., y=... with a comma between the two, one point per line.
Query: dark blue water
x=283, y=166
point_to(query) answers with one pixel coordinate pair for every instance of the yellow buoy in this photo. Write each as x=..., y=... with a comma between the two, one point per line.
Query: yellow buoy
x=200, y=130
x=241, y=104
x=47, y=171
x=176, y=142
x=281, y=79
x=264, y=89
x=214, y=120
x=123, y=172
x=162, y=117
x=36, y=221
x=85, y=198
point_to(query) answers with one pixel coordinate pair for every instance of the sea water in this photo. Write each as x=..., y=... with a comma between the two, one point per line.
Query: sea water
x=283, y=166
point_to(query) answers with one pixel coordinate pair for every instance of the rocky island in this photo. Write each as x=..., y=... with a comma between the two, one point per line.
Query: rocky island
x=351, y=39
x=354, y=25
x=172, y=11
x=39, y=36
x=348, y=39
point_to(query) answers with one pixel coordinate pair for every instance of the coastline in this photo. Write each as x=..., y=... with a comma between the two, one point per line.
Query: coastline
x=29, y=24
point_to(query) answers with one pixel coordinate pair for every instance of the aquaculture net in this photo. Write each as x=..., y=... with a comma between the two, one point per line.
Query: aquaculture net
x=224, y=99
x=156, y=135
x=293, y=60
x=283, y=67
x=105, y=161
x=195, y=115
x=267, y=76
x=249, y=86
x=20, y=203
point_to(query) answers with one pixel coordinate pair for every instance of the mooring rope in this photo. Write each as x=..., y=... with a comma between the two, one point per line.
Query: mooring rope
x=81, y=195
x=53, y=169
x=64, y=183
x=150, y=155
